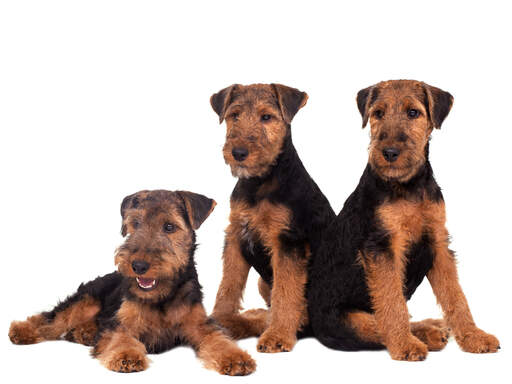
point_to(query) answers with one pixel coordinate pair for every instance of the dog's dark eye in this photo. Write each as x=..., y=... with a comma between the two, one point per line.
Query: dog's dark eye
x=379, y=113
x=234, y=116
x=169, y=228
x=413, y=113
x=266, y=117
x=135, y=224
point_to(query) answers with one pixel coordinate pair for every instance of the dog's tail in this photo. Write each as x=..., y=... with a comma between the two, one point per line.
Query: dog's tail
x=331, y=331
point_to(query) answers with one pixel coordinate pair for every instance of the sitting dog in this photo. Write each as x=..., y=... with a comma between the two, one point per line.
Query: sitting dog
x=277, y=214
x=389, y=235
x=153, y=302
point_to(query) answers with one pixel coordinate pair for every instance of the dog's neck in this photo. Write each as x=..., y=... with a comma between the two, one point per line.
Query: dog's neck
x=282, y=172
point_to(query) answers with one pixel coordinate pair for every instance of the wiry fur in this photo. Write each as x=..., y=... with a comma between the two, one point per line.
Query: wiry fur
x=122, y=319
x=389, y=235
x=277, y=215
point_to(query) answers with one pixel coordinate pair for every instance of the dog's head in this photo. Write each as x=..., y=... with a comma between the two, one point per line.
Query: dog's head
x=402, y=114
x=158, y=227
x=258, y=120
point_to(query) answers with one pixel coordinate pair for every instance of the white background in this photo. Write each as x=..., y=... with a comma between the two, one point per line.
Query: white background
x=99, y=99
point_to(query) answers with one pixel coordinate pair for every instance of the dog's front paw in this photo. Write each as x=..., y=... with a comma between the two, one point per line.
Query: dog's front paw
x=235, y=363
x=274, y=341
x=411, y=349
x=478, y=341
x=23, y=332
x=127, y=361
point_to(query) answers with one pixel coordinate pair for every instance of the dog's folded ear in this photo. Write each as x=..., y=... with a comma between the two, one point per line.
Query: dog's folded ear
x=439, y=103
x=290, y=100
x=198, y=207
x=365, y=98
x=129, y=202
x=220, y=101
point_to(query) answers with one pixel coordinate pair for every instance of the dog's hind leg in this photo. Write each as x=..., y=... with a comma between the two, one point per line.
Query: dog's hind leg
x=74, y=318
x=434, y=333
x=265, y=291
x=250, y=323
x=83, y=333
x=364, y=325
x=75, y=315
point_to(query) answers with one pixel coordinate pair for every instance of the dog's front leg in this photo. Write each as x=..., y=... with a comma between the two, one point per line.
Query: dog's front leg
x=385, y=282
x=288, y=303
x=229, y=296
x=445, y=284
x=216, y=350
x=234, y=276
x=121, y=352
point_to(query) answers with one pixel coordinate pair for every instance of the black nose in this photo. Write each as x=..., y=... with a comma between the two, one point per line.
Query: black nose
x=240, y=154
x=391, y=154
x=140, y=267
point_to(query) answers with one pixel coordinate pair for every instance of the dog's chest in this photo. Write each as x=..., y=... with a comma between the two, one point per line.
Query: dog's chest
x=264, y=222
x=258, y=228
x=411, y=226
x=158, y=329
x=407, y=221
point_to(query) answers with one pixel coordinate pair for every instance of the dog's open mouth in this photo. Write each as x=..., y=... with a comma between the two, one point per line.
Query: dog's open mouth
x=146, y=284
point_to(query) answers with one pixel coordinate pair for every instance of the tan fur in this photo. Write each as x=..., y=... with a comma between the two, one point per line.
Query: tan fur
x=432, y=332
x=122, y=352
x=385, y=283
x=27, y=332
x=265, y=291
x=406, y=220
x=288, y=312
x=160, y=234
x=393, y=101
x=287, y=298
x=445, y=284
x=245, y=128
x=364, y=325
x=36, y=328
x=258, y=118
x=147, y=239
x=214, y=348
x=234, y=274
x=84, y=333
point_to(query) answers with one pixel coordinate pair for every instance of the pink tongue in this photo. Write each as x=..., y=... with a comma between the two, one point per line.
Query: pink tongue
x=145, y=282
